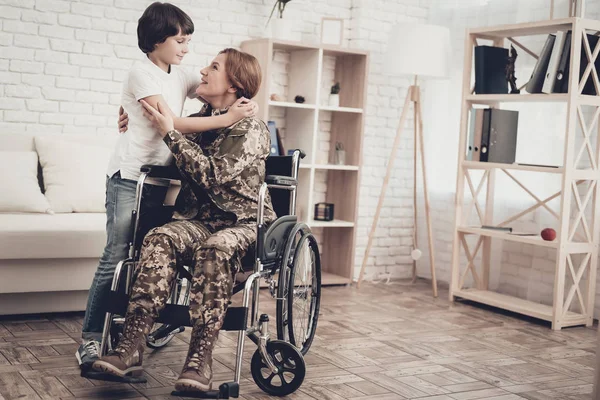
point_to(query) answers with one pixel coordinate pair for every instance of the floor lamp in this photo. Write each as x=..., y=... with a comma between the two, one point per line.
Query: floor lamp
x=415, y=50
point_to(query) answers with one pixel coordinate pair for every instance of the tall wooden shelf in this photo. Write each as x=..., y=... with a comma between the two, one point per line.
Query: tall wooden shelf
x=305, y=77
x=573, y=301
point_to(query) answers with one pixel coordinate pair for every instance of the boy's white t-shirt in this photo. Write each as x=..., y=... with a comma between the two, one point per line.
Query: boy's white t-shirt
x=141, y=143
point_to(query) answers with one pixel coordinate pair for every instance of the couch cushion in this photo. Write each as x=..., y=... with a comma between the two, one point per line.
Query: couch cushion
x=74, y=173
x=47, y=274
x=52, y=236
x=20, y=190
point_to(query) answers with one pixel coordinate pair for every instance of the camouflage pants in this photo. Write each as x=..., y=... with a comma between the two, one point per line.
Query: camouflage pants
x=212, y=253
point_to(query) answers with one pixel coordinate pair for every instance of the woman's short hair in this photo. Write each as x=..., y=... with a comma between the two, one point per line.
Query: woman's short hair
x=160, y=21
x=243, y=70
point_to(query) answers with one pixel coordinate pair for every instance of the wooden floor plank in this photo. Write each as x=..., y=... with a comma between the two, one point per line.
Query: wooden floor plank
x=18, y=355
x=47, y=386
x=14, y=386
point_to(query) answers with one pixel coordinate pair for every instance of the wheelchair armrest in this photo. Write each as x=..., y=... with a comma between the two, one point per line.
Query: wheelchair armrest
x=280, y=180
x=160, y=171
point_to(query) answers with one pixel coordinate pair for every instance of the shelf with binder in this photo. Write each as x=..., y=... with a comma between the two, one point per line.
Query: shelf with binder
x=293, y=68
x=577, y=213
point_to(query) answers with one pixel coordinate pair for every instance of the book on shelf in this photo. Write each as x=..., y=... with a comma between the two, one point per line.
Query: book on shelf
x=490, y=70
x=493, y=135
x=553, y=62
x=561, y=80
x=589, y=87
x=274, y=142
x=552, y=70
x=473, y=153
x=536, y=82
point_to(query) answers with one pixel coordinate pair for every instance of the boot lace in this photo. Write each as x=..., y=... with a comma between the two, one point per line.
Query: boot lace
x=132, y=333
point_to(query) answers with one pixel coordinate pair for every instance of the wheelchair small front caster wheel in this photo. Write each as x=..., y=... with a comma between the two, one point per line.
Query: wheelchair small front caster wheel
x=290, y=365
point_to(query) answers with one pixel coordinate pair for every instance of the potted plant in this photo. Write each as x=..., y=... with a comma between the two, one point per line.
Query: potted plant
x=280, y=29
x=334, y=96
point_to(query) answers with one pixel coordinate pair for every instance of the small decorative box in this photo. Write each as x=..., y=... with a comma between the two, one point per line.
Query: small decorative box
x=324, y=212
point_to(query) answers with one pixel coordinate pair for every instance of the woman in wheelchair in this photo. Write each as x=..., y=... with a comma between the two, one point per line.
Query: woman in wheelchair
x=215, y=222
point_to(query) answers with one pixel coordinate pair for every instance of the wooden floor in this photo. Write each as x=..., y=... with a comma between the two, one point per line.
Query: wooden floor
x=380, y=342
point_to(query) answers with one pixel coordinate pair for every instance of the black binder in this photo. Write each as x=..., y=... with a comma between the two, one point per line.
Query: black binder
x=490, y=70
x=561, y=84
x=536, y=82
x=561, y=81
x=589, y=87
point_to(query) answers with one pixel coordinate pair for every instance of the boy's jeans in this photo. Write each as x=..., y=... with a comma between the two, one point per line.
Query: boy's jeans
x=120, y=201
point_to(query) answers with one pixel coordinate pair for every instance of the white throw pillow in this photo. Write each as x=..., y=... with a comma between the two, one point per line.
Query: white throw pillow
x=19, y=187
x=74, y=174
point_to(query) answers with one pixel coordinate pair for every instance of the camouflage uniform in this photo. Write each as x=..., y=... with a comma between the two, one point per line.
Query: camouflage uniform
x=214, y=224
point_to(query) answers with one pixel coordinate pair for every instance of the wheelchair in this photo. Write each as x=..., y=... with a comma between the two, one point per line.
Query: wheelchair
x=285, y=254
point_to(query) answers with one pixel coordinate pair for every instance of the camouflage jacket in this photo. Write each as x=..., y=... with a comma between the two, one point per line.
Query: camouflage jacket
x=227, y=164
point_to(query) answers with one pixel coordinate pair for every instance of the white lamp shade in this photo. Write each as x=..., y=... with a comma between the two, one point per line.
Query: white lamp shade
x=417, y=49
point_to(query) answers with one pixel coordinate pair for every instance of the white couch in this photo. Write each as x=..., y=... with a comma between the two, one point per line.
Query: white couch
x=47, y=261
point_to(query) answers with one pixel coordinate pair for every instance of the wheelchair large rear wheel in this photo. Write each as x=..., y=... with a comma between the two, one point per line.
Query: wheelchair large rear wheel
x=299, y=290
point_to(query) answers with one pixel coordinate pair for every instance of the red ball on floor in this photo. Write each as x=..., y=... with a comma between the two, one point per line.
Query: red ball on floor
x=548, y=234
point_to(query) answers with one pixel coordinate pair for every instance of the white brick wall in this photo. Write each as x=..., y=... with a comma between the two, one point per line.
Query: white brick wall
x=372, y=20
x=62, y=63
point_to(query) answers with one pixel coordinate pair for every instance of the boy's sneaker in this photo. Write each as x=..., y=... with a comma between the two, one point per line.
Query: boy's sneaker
x=88, y=353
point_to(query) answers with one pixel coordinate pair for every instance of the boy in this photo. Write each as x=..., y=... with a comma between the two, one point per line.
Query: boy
x=164, y=32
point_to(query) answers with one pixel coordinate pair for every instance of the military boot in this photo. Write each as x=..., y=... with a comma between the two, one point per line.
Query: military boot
x=128, y=355
x=197, y=369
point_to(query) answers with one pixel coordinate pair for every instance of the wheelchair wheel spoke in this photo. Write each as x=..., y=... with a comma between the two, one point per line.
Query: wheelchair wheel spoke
x=270, y=377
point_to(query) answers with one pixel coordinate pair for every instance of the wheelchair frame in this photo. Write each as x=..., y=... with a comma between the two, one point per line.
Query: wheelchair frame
x=263, y=268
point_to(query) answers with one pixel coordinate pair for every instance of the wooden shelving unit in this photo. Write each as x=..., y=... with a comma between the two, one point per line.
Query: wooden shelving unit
x=305, y=76
x=573, y=300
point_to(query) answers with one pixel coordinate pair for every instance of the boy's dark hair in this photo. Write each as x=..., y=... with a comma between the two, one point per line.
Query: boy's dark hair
x=160, y=21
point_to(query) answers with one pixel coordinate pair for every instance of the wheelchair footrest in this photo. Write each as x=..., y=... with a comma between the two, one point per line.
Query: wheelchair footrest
x=102, y=376
x=226, y=391
x=235, y=319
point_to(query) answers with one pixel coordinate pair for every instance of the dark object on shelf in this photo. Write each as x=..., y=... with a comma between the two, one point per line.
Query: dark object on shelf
x=324, y=212
x=299, y=99
x=538, y=165
x=490, y=70
x=510, y=71
x=561, y=82
x=335, y=89
x=497, y=228
x=499, y=135
x=536, y=82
